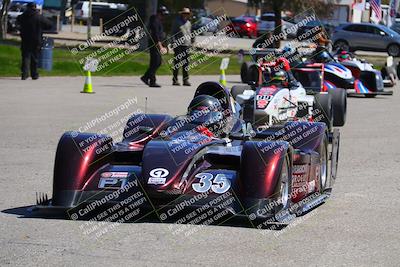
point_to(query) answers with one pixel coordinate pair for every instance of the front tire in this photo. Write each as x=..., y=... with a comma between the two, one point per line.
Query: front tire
x=323, y=109
x=283, y=191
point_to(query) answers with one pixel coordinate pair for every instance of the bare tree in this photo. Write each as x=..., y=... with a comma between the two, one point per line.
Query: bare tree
x=322, y=8
x=3, y=19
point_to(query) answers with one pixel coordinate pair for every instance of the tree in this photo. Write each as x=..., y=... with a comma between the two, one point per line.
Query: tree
x=3, y=19
x=322, y=8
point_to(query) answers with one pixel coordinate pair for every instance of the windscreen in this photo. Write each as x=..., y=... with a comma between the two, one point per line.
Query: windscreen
x=309, y=78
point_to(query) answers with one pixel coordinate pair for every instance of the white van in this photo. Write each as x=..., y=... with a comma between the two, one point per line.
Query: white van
x=81, y=9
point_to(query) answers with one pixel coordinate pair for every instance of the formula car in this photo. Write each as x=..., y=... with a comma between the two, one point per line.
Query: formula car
x=312, y=78
x=356, y=77
x=362, y=70
x=252, y=73
x=285, y=98
x=202, y=167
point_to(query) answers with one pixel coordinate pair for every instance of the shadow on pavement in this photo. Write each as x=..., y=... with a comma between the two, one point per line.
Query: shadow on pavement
x=25, y=212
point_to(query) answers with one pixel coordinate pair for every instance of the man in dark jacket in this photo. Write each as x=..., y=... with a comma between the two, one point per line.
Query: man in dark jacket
x=31, y=25
x=155, y=46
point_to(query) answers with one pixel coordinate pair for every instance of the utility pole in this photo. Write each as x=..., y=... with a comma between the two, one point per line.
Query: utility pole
x=89, y=21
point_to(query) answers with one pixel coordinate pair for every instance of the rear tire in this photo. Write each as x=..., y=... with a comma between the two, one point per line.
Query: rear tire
x=323, y=109
x=244, y=71
x=253, y=74
x=339, y=104
x=323, y=173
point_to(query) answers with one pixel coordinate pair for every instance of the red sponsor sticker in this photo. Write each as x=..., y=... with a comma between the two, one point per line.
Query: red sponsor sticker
x=269, y=90
x=115, y=174
x=262, y=103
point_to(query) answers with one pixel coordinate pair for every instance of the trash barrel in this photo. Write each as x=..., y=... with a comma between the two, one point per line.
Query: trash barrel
x=46, y=54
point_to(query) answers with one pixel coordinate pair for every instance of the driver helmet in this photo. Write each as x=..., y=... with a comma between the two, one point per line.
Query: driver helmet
x=279, y=77
x=343, y=56
x=287, y=49
x=206, y=111
x=322, y=56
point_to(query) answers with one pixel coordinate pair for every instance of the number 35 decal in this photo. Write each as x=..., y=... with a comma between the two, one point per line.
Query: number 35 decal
x=218, y=184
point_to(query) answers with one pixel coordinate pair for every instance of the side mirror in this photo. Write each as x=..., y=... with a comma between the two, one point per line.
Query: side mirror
x=382, y=33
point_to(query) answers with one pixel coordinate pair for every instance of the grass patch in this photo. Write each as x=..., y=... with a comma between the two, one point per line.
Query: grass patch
x=66, y=64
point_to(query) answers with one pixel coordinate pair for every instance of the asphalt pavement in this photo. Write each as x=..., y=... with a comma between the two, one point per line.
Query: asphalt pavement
x=358, y=226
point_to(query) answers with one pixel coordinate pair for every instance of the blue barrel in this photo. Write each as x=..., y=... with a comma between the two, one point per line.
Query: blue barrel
x=46, y=54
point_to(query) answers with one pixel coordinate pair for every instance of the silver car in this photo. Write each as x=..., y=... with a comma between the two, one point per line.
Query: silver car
x=367, y=37
x=267, y=24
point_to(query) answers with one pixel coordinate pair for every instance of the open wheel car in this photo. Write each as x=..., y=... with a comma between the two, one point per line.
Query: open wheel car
x=208, y=161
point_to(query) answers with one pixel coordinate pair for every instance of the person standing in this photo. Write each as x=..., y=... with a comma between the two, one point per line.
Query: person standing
x=181, y=34
x=31, y=24
x=155, y=46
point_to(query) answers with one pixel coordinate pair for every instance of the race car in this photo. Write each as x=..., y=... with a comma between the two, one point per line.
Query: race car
x=356, y=77
x=361, y=69
x=249, y=69
x=204, y=167
x=312, y=78
x=251, y=72
x=278, y=96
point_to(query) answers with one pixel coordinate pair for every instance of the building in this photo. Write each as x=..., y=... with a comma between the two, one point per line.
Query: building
x=232, y=8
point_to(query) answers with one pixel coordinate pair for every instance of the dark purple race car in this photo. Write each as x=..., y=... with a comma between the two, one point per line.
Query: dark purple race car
x=205, y=167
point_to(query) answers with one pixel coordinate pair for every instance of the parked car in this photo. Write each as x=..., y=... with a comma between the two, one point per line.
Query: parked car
x=209, y=21
x=81, y=10
x=327, y=26
x=244, y=26
x=267, y=24
x=367, y=37
x=16, y=8
x=396, y=27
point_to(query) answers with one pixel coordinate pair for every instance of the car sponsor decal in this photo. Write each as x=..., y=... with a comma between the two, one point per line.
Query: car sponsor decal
x=299, y=168
x=218, y=184
x=299, y=176
x=112, y=183
x=158, y=176
x=113, y=180
x=156, y=181
x=262, y=103
x=264, y=95
x=311, y=186
x=360, y=87
x=270, y=90
x=263, y=100
x=115, y=174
